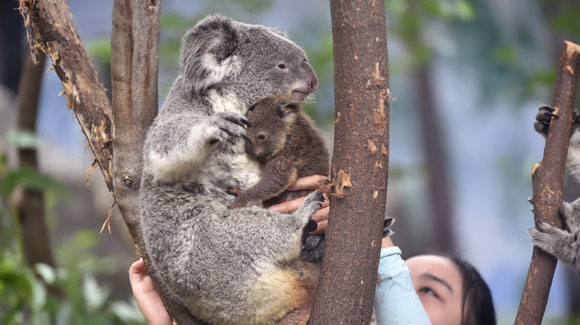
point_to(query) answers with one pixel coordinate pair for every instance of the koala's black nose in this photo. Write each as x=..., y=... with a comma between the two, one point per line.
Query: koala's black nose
x=314, y=84
x=307, y=72
x=249, y=147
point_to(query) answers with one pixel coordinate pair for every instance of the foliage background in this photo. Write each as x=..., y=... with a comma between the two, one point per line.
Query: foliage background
x=490, y=63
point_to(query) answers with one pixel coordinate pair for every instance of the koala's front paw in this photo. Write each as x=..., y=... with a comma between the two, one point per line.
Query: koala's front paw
x=313, y=248
x=545, y=115
x=228, y=127
x=312, y=203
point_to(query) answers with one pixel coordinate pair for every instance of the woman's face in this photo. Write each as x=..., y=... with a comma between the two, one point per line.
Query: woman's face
x=439, y=285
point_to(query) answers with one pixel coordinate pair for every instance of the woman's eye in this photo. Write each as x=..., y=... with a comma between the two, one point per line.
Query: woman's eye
x=281, y=66
x=428, y=291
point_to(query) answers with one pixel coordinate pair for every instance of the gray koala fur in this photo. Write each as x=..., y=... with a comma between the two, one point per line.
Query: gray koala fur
x=226, y=266
x=564, y=244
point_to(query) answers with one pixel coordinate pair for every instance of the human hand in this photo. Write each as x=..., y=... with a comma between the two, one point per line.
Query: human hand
x=307, y=183
x=146, y=296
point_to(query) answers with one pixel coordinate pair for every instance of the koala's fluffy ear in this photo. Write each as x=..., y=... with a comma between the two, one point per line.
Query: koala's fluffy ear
x=288, y=111
x=208, y=53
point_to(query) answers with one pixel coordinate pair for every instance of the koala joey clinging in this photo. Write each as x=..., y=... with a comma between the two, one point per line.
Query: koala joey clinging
x=286, y=143
x=564, y=244
x=226, y=266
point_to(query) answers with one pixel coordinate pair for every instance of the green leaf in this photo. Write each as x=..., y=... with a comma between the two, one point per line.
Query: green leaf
x=11, y=279
x=38, y=296
x=46, y=272
x=94, y=295
x=127, y=312
x=29, y=178
x=23, y=139
x=464, y=10
x=101, y=50
x=63, y=315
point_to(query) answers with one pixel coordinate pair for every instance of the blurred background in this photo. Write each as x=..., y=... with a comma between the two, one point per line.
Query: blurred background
x=466, y=78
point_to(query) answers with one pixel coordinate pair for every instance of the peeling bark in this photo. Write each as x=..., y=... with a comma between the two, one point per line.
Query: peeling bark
x=548, y=180
x=359, y=170
x=51, y=31
x=135, y=51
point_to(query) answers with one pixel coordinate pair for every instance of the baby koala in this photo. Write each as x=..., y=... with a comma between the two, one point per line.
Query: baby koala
x=287, y=145
x=283, y=139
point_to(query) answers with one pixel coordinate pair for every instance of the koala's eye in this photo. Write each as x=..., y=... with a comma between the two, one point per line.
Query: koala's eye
x=261, y=136
x=305, y=60
x=281, y=66
x=251, y=108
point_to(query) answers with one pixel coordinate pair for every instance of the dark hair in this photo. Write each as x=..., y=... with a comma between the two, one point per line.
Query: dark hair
x=476, y=296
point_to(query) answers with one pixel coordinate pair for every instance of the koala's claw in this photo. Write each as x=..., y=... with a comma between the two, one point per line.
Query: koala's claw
x=545, y=115
x=230, y=126
x=387, y=224
x=236, y=119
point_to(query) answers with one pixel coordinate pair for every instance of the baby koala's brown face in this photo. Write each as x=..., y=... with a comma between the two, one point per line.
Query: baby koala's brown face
x=269, y=123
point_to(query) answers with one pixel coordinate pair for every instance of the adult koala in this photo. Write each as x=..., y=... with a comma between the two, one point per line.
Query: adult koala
x=225, y=265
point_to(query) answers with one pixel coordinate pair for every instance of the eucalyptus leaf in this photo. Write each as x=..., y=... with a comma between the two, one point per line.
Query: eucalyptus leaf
x=46, y=271
x=29, y=178
x=128, y=312
x=23, y=139
x=94, y=295
x=38, y=296
x=64, y=314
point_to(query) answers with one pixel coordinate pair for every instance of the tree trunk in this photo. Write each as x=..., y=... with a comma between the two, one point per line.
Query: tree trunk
x=134, y=70
x=359, y=166
x=441, y=214
x=547, y=180
x=35, y=238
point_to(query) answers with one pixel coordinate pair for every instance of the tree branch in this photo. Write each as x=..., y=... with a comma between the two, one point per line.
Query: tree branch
x=346, y=287
x=35, y=238
x=548, y=180
x=135, y=50
x=51, y=31
x=135, y=66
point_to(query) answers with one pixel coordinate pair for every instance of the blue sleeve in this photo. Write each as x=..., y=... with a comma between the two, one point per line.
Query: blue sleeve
x=396, y=301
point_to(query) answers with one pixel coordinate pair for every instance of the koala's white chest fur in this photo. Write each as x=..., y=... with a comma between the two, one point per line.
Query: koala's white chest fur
x=226, y=169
